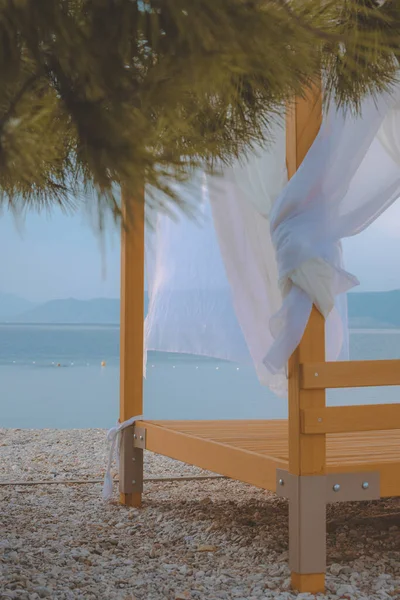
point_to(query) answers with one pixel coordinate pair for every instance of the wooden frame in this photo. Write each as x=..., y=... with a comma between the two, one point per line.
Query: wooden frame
x=253, y=451
x=234, y=462
x=315, y=443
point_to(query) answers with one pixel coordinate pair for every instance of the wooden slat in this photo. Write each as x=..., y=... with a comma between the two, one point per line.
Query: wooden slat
x=224, y=459
x=349, y=374
x=342, y=419
x=132, y=315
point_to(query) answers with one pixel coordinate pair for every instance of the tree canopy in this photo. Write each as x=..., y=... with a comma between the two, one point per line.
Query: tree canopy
x=95, y=94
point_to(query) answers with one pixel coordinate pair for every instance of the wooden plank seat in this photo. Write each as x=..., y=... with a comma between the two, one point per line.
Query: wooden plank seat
x=252, y=450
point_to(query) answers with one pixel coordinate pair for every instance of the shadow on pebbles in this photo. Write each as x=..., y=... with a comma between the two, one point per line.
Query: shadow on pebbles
x=216, y=539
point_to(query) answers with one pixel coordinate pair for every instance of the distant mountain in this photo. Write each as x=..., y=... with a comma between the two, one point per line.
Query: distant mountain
x=71, y=311
x=11, y=306
x=367, y=310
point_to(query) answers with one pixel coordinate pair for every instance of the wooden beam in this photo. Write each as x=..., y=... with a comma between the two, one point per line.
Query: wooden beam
x=233, y=462
x=349, y=374
x=346, y=419
x=307, y=454
x=132, y=315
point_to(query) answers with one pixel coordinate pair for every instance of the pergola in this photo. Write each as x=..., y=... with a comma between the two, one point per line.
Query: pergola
x=320, y=455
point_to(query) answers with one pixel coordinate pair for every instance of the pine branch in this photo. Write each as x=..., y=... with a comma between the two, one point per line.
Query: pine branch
x=105, y=91
x=26, y=86
x=327, y=36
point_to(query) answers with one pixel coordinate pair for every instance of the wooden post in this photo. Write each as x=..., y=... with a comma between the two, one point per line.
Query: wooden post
x=132, y=315
x=303, y=122
x=307, y=454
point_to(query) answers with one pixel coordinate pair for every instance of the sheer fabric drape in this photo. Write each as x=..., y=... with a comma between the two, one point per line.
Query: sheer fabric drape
x=240, y=283
x=346, y=181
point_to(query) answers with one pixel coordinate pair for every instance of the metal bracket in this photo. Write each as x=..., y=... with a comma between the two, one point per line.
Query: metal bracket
x=139, y=437
x=308, y=496
x=352, y=487
x=133, y=442
x=339, y=487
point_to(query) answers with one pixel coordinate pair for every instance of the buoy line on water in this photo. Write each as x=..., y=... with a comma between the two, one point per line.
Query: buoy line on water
x=103, y=364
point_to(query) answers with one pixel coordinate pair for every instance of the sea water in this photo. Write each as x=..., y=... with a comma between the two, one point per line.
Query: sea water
x=51, y=377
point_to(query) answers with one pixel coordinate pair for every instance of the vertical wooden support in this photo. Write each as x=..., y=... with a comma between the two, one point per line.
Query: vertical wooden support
x=131, y=335
x=303, y=122
x=307, y=454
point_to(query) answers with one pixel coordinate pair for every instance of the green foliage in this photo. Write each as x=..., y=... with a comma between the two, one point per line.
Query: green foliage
x=96, y=94
x=367, y=60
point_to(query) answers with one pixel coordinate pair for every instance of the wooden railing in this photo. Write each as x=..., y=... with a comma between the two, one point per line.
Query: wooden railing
x=344, y=419
x=349, y=374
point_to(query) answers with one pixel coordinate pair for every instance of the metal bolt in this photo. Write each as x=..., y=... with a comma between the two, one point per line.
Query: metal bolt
x=315, y=374
x=141, y=438
x=281, y=482
x=319, y=420
x=336, y=487
x=134, y=436
x=365, y=485
x=134, y=459
x=134, y=481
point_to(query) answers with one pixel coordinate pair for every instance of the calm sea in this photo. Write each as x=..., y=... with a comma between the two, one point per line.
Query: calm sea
x=37, y=393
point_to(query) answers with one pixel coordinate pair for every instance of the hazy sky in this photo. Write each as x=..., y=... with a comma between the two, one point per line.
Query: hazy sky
x=60, y=257
x=57, y=256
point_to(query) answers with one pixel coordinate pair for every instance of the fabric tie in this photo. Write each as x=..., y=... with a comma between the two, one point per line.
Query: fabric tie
x=113, y=436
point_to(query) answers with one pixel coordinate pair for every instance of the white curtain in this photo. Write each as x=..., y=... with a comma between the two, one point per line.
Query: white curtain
x=216, y=288
x=389, y=133
x=241, y=201
x=190, y=307
x=213, y=282
x=346, y=181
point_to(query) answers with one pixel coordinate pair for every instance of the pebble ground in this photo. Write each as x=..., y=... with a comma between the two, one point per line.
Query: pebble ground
x=209, y=540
